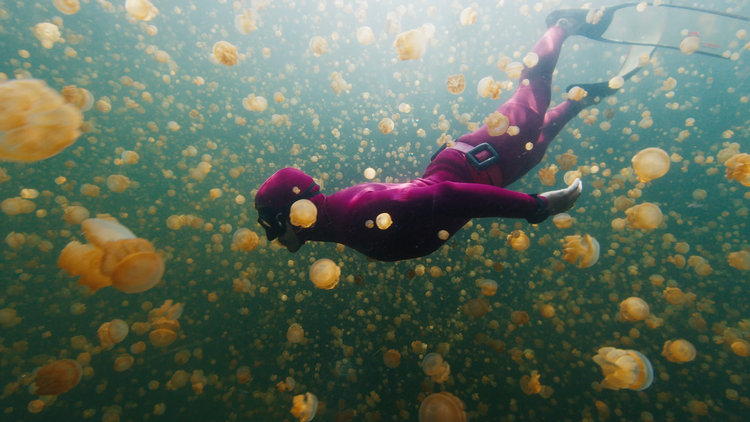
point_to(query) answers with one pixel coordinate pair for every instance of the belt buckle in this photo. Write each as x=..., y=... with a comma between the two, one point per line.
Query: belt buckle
x=472, y=159
x=442, y=147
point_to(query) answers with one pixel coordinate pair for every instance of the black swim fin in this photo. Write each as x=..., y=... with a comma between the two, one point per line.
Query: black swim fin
x=574, y=20
x=601, y=90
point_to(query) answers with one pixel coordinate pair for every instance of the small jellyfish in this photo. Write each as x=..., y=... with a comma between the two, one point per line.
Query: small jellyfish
x=476, y=308
x=370, y=173
x=225, y=53
x=531, y=59
x=644, y=216
x=690, y=45
x=318, y=45
x=519, y=317
x=740, y=260
x=530, y=384
x=386, y=126
x=547, y=175
x=68, y=7
x=365, y=36
x=295, y=333
x=624, y=369
x=162, y=337
x=487, y=87
x=57, y=377
x=650, y=164
x=562, y=221
x=468, y=16
x=489, y=287
x=245, y=21
x=741, y=348
x=123, y=363
x=497, y=123
x=738, y=168
x=141, y=9
x=303, y=213
x=392, y=358
x=434, y=366
x=584, y=250
x=118, y=183
x=678, y=351
x=243, y=374
x=325, y=274
x=577, y=93
x=117, y=330
x=304, y=406
x=456, y=84
x=518, y=240
x=75, y=214
x=411, y=45
x=634, y=309
x=616, y=82
x=442, y=407
x=245, y=240
x=383, y=221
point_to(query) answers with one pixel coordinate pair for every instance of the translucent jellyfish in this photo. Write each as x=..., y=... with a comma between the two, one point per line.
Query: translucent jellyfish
x=35, y=121
x=456, y=84
x=634, y=309
x=644, y=216
x=243, y=374
x=48, y=34
x=75, y=214
x=304, y=407
x=287, y=385
x=225, y=53
x=255, y=103
x=245, y=21
x=616, y=82
x=741, y=348
x=68, y=7
x=530, y=384
x=584, y=250
x=650, y=164
x=669, y=84
x=57, y=377
x=162, y=337
x=434, y=366
x=370, y=173
x=624, y=369
x=141, y=9
x=547, y=175
x=577, y=93
x=244, y=240
x=303, y=213
x=392, y=358
x=690, y=45
x=117, y=330
x=497, y=123
x=318, y=45
x=118, y=183
x=489, y=287
x=476, y=308
x=442, y=407
x=513, y=70
x=383, y=221
x=365, y=36
x=562, y=221
x=411, y=45
x=678, y=351
x=325, y=274
x=740, y=260
x=386, y=126
x=531, y=59
x=487, y=87
x=123, y=363
x=738, y=166
x=468, y=16
x=518, y=240
x=295, y=333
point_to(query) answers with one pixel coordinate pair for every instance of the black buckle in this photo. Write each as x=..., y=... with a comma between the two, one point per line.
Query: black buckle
x=471, y=156
x=442, y=147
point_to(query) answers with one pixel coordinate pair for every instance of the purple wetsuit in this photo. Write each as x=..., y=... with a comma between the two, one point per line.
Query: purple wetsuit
x=451, y=191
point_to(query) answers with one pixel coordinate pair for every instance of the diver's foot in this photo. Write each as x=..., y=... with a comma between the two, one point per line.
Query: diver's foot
x=575, y=21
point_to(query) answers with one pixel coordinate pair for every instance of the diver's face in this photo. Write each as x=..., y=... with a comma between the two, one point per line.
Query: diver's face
x=289, y=239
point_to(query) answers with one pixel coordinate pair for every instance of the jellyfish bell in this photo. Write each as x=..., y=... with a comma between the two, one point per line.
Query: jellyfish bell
x=295, y=333
x=646, y=216
x=244, y=239
x=624, y=369
x=690, y=45
x=100, y=231
x=411, y=45
x=68, y=7
x=392, y=358
x=162, y=337
x=456, y=84
x=634, y=309
x=324, y=273
x=303, y=213
x=365, y=36
x=584, y=250
x=562, y=221
x=442, y=407
x=141, y=9
x=57, y=377
x=304, y=406
x=489, y=287
x=650, y=164
x=678, y=351
x=225, y=53
x=132, y=264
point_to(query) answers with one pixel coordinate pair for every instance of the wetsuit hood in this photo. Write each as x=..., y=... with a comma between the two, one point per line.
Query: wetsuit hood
x=276, y=196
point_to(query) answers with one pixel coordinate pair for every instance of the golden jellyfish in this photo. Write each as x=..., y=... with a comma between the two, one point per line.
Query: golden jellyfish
x=624, y=369
x=489, y=287
x=650, y=164
x=411, y=45
x=243, y=374
x=386, y=126
x=690, y=45
x=468, y=16
x=738, y=167
x=577, y=93
x=295, y=333
x=255, y=103
x=123, y=363
x=75, y=214
x=162, y=337
x=562, y=221
x=118, y=183
x=547, y=175
x=304, y=407
x=434, y=366
x=318, y=45
x=547, y=311
x=370, y=173
x=225, y=53
x=616, y=82
x=325, y=274
x=679, y=351
x=487, y=87
x=634, y=309
x=365, y=36
x=497, y=123
x=48, y=34
x=530, y=384
x=675, y=296
x=35, y=121
x=287, y=385
x=142, y=10
x=456, y=84
x=244, y=240
x=519, y=317
x=513, y=70
x=584, y=250
x=68, y=7
x=392, y=358
x=117, y=330
x=740, y=260
x=57, y=377
x=741, y=348
x=303, y=213
x=383, y=221
x=245, y=21
x=531, y=59
x=35, y=406
x=442, y=407
x=519, y=241
x=476, y=308
x=644, y=216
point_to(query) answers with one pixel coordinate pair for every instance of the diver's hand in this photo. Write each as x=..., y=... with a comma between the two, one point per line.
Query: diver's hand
x=562, y=200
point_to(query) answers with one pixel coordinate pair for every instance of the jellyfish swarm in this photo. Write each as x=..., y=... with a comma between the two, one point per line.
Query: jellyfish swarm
x=650, y=164
x=35, y=121
x=584, y=249
x=738, y=168
x=442, y=407
x=304, y=406
x=435, y=367
x=624, y=369
x=678, y=351
x=57, y=377
x=113, y=257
